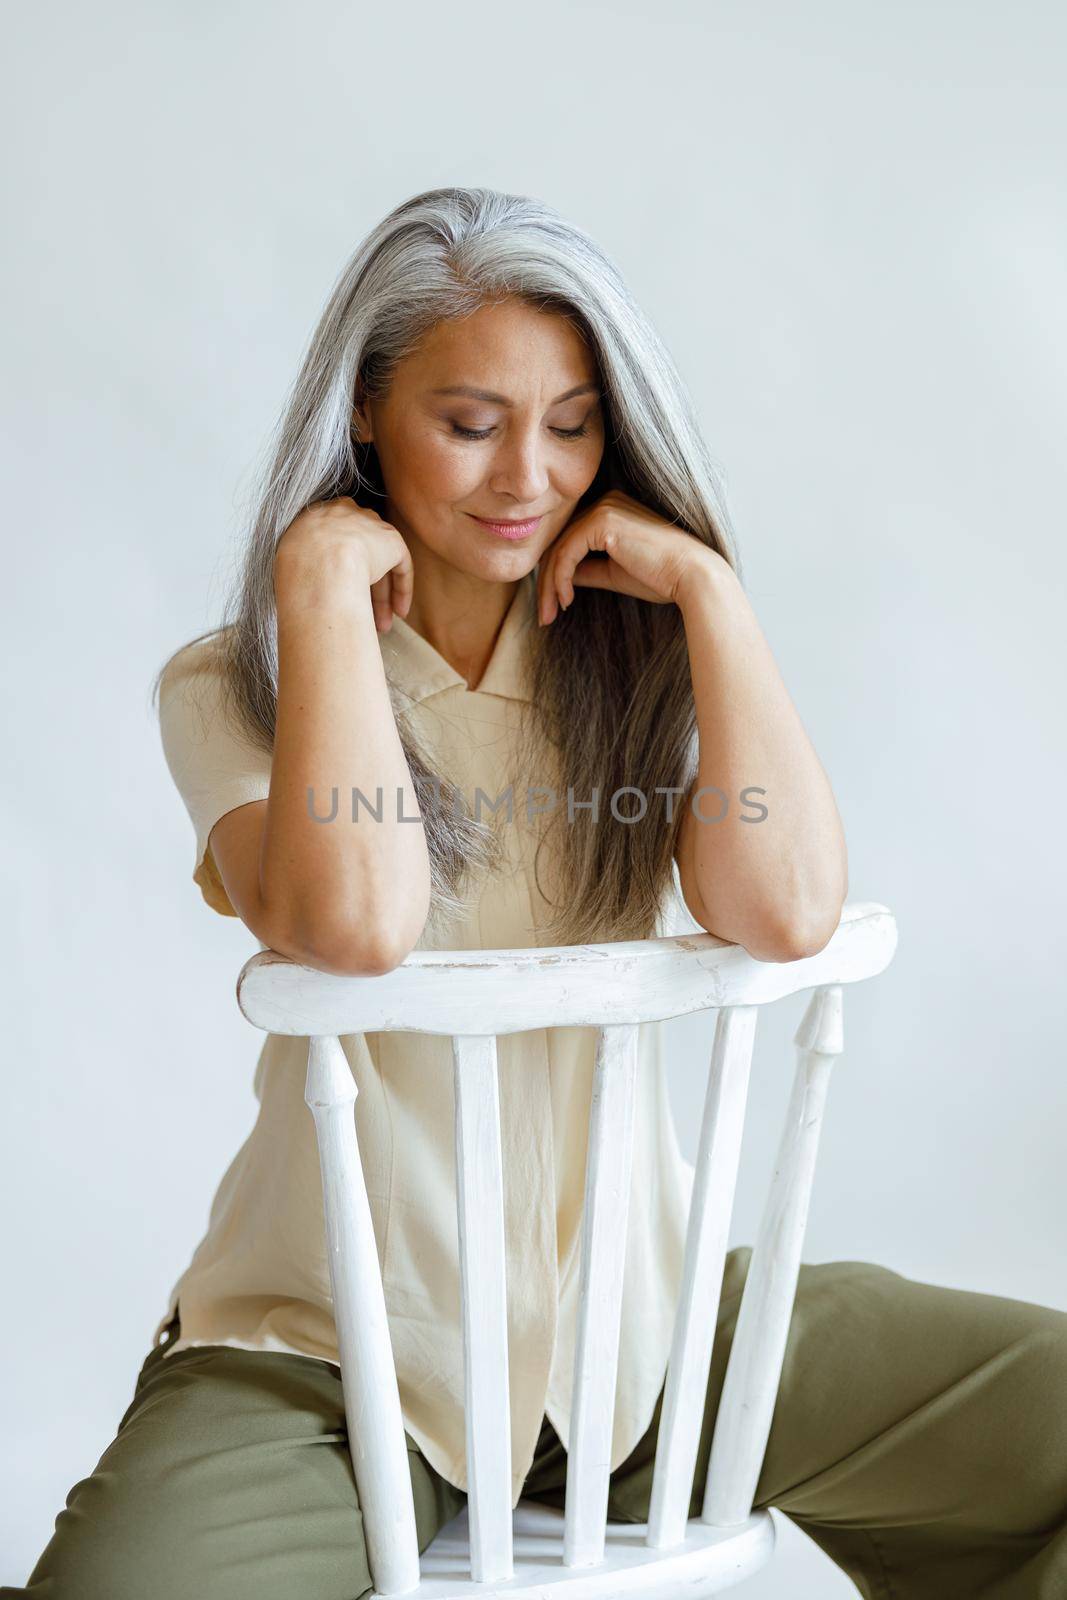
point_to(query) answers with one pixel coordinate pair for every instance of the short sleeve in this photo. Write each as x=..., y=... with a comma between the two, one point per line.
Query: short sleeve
x=214, y=768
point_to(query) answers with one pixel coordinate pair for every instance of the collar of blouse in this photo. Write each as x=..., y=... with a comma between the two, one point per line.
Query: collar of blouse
x=419, y=670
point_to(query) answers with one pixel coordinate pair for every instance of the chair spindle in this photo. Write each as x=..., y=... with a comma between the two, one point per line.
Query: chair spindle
x=609, y=1162
x=371, y=1394
x=480, y=1204
x=715, y=1178
x=757, y=1353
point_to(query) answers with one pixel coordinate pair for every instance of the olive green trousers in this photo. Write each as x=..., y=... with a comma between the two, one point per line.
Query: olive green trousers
x=920, y=1438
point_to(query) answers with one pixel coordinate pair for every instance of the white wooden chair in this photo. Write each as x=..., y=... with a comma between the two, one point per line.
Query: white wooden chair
x=487, y=1549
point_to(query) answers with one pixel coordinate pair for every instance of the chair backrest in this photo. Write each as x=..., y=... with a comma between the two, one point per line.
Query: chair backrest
x=474, y=996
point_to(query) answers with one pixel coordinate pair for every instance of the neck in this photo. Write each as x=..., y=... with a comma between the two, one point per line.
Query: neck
x=458, y=613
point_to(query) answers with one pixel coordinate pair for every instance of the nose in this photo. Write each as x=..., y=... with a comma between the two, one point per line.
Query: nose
x=520, y=467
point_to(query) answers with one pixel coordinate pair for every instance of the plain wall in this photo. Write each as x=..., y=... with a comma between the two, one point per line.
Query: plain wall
x=848, y=224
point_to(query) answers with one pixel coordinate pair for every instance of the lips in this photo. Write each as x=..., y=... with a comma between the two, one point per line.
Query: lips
x=510, y=530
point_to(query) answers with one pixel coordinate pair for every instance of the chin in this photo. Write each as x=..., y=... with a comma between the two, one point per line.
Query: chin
x=504, y=565
x=478, y=559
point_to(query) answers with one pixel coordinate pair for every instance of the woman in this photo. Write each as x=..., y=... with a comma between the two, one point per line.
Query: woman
x=490, y=556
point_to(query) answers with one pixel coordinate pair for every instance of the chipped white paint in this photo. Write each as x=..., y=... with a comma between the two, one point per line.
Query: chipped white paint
x=508, y=991
x=475, y=996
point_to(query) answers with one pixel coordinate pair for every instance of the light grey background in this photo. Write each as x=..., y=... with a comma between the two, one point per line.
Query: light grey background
x=848, y=223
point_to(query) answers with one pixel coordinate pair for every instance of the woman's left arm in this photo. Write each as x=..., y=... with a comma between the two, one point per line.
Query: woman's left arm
x=774, y=884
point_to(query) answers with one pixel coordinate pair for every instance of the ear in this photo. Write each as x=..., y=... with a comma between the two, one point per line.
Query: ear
x=362, y=431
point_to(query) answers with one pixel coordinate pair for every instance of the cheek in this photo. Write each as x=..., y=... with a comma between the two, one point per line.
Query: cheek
x=443, y=472
x=580, y=467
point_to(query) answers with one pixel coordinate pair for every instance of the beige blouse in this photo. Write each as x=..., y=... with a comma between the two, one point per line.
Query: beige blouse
x=259, y=1278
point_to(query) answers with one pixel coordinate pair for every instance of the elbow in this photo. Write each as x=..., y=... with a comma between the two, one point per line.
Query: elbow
x=352, y=954
x=367, y=942
x=796, y=939
x=351, y=940
x=809, y=925
x=368, y=948
x=374, y=963
x=791, y=946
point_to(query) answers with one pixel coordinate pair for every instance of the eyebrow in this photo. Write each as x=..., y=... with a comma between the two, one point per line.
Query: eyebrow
x=473, y=393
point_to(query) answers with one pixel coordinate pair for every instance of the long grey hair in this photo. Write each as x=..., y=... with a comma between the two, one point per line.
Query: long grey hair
x=611, y=691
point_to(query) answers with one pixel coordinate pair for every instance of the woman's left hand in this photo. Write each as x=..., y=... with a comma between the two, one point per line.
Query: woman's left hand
x=643, y=555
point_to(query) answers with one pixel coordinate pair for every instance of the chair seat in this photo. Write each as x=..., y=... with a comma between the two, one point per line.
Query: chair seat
x=707, y=1562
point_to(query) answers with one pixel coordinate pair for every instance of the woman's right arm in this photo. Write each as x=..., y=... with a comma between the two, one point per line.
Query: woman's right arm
x=345, y=897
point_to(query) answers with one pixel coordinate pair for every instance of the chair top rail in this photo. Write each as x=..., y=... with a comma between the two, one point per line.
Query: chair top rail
x=510, y=991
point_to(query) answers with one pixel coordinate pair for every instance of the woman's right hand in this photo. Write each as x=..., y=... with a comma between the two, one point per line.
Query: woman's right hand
x=336, y=548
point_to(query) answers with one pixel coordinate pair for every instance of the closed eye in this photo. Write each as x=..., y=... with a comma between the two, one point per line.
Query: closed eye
x=485, y=433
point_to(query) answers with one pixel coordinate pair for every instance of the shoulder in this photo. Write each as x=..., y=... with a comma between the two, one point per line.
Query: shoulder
x=200, y=724
x=193, y=685
x=213, y=762
x=203, y=661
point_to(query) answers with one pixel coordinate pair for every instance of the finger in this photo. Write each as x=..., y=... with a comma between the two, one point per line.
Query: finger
x=381, y=604
x=607, y=573
x=547, y=608
x=572, y=549
x=597, y=572
x=403, y=585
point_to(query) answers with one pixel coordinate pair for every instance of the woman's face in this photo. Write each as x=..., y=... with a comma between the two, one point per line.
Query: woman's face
x=495, y=416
